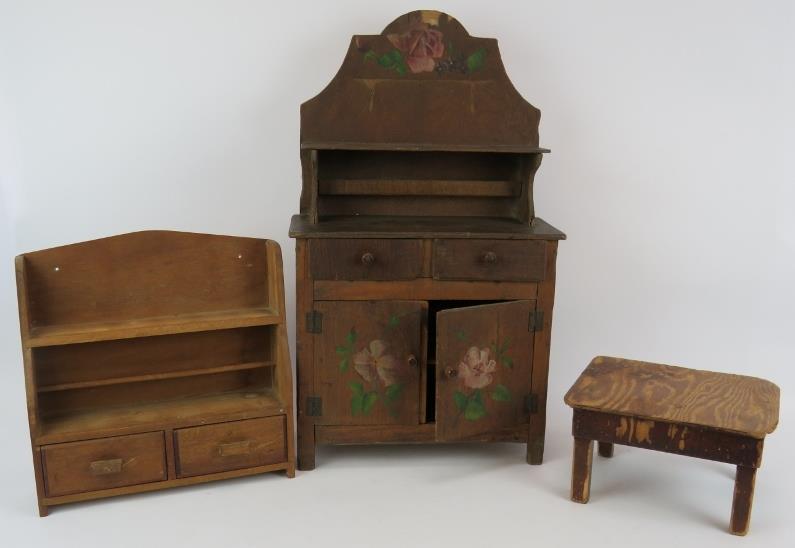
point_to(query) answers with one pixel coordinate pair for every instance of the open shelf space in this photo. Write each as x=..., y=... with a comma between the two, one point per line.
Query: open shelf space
x=155, y=376
x=128, y=419
x=145, y=327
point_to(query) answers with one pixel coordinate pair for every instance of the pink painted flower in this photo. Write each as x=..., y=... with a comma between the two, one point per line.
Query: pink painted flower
x=372, y=363
x=476, y=368
x=420, y=45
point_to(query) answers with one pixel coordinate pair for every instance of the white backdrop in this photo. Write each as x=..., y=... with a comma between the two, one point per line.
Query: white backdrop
x=671, y=125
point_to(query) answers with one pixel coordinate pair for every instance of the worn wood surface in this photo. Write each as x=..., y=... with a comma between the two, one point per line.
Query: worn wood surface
x=581, y=466
x=484, y=368
x=424, y=289
x=216, y=306
x=408, y=434
x=304, y=356
x=366, y=259
x=510, y=261
x=103, y=464
x=372, y=348
x=733, y=403
x=230, y=446
x=394, y=226
x=743, y=500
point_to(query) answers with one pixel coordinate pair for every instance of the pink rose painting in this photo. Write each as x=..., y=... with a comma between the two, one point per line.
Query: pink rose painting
x=419, y=49
x=421, y=45
x=476, y=370
x=380, y=370
x=373, y=363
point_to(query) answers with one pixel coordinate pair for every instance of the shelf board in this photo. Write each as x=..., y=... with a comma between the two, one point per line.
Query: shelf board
x=145, y=327
x=399, y=226
x=422, y=147
x=131, y=419
x=155, y=376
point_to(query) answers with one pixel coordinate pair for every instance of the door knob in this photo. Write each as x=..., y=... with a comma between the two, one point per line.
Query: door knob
x=412, y=360
x=489, y=257
x=451, y=372
x=368, y=258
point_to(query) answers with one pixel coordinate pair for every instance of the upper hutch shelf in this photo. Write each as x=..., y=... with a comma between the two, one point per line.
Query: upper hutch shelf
x=420, y=122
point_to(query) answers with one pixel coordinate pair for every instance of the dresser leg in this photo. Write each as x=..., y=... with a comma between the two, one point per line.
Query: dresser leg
x=535, y=450
x=306, y=446
x=44, y=511
x=605, y=449
x=581, y=470
x=743, y=499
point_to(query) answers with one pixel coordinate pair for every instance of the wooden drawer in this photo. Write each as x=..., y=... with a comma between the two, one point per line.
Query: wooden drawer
x=365, y=259
x=498, y=260
x=230, y=446
x=92, y=465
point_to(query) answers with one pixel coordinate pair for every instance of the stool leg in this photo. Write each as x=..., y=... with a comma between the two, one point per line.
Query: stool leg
x=743, y=499
x=581, y=470
x=605, y=449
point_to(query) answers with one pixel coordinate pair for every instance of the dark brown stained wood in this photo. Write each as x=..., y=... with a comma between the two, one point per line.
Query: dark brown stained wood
x=678, y=438
x=581, y=466
x=366, y=259
x=733, y=403
x=143, y=334
x=230, y=446
x=542, y=342
x=305, y=357
x=103, y=464
x=484, y=367
x=476, y=108
x=197, y=274
x=605, y=449
x=392, y=226
x=509, y=261
x=424, y=289
x=743, y=500
x=418, y=165
x=367, y=361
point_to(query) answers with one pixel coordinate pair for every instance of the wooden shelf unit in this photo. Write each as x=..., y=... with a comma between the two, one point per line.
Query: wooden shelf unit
x=138, y=344
x=425, y=281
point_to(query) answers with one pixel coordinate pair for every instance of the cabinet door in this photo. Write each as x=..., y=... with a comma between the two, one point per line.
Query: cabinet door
x=367, y=361
x=484, y=358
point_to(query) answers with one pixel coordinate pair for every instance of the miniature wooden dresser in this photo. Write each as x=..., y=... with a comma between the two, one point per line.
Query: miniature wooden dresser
x=152, y=360
x=425, y=281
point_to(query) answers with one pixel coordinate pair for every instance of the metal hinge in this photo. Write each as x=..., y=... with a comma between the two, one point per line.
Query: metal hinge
x=531, y=403
x=314, y=406
x=314, y=322
x=536, y=320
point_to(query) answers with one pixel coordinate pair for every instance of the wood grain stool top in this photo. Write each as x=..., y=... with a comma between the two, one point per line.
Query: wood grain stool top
x=722, y=401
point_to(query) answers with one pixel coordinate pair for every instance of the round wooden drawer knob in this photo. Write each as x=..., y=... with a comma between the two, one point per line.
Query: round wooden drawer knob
x=489, y=257
x=451, y=373
x=412, y=360
x=368, y=258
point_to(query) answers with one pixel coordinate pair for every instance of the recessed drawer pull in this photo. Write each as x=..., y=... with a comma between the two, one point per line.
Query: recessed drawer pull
x=105, y=467
x=368, y=258
x=489, y=257
x=234, y=448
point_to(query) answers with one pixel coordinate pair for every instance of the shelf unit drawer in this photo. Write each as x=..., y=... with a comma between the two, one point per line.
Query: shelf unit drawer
x=366, y=259
x=94, y=465
x=230, y=446
x=493, y=260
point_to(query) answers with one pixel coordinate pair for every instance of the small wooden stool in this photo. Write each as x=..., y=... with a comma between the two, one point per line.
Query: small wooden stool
x=715, y=416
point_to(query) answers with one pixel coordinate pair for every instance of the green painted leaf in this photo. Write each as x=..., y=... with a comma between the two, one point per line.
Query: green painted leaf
x=501, y=393
x=505, y=344
x=344, y=365
x=475, y=61
x=356, y=387
x=343, y=349
x=351, y=337
x=393, y=321
x=460, y=335
x=370, y=55
x=475, y=409
x=357, y=402
x=368, y=401
x=477, y=396
x=393, y=392
x=507, y=361
x=460, y=400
